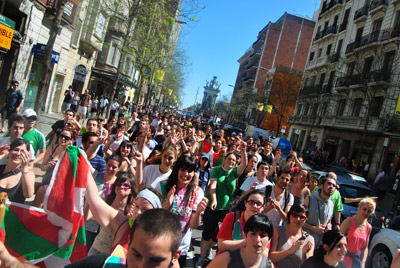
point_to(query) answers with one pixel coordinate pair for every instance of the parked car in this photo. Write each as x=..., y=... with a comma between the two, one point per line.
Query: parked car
x=344, y=173
x=385, y=244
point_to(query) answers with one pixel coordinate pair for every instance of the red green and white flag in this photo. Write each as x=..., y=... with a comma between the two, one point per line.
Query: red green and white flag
x=205, y=148
x=218, y=159
x=55, y=235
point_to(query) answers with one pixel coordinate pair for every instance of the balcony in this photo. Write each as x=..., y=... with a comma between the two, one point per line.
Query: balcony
x=327, y=89
x=395, y=2
x=377, y=6
x=251, y=67
x=331, y=30
x=367, y=40
x=330, y=6
x=256, y=53
x=381, y=76
x=395, y=32
x=258, y=42
x=342, y=83
x=248, y=78
x=361, y=14
x=334, y=58
x=309, y=90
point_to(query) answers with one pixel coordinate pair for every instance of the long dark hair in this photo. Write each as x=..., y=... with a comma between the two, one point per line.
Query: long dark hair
x=186, y=163
x=330, y=238
x=123, y=176
x=129, y=144
x=239, y=205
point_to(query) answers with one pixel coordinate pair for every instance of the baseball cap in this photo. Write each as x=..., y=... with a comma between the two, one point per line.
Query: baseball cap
x=29, y=113
x=203, y=155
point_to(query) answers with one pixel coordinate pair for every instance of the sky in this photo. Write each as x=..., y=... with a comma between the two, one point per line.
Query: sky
x=224, y=31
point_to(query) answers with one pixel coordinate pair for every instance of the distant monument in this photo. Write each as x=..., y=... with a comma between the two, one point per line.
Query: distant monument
x=211, y=91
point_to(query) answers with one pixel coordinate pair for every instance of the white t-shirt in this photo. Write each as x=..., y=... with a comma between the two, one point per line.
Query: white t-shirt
x=114, y=146
x=103, y=103
x=152, y=177
x=6, y=141
x=250, y=180
x=273, y=214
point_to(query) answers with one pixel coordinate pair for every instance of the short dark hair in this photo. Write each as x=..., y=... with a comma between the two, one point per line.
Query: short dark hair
x=114, y=157
x=157, y=223
x=297, y=209
x=325, y=179
x=259, y=223
x=70, y=110
x=15, y=118
x=284, y=169
x=330, y=238
x=262, y=163
x=87, y=135
x=18, y=142
x=93, y=119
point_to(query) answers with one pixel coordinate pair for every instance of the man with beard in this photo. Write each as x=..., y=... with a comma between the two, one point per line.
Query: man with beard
x=280, y=200
x=320, y=210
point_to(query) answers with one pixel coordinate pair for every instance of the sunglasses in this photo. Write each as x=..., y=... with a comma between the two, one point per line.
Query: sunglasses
x=64, y=137
x=301, y=217
x=123, y=185
x=255, y=203
x=31, y=118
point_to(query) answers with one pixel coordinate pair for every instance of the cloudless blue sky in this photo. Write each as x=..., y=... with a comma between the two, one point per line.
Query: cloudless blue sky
x=225, y=30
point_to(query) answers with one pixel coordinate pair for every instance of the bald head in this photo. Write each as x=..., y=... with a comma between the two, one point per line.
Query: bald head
x=332, y=175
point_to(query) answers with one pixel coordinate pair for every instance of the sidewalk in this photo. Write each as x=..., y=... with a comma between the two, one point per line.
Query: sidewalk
x=46, y=120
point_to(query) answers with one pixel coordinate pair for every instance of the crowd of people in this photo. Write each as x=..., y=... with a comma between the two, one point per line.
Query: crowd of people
x=257, y=206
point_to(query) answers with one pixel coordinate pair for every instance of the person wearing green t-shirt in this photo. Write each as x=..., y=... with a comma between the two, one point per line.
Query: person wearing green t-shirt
x=220, y=194
x=336, y=199
x=35, y=137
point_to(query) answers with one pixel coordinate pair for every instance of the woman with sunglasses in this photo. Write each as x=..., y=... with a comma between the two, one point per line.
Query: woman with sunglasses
x=231, y=235
x=291, y=245
x=358, y=232
x=184, y=199
x=331, y=253
x=123, y=190
x=17, y=178
x=54, y=152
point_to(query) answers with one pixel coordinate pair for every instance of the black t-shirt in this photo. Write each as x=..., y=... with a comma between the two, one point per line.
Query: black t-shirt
x=68, y=98
x=318, y=261
x=93, y=261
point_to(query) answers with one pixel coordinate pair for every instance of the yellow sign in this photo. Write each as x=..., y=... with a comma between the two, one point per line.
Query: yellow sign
x=169, y=91
x=159, y=75
x=260, y=106
x=397, y=111
x=268, y=109
x=6, y=36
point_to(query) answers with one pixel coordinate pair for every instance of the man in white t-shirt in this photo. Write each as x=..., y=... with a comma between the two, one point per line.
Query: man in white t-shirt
x=260, y=181
x=152, y=176
x=280, y=201
x=254, y=150
x=16, y=128
x=102, y=105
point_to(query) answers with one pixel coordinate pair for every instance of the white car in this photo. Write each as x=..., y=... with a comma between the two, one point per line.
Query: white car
x=383, y=247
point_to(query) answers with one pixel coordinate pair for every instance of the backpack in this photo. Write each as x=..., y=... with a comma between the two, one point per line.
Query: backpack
x=268, y=191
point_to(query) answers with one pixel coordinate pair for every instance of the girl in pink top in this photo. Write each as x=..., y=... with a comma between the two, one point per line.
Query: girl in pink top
x=358, y=231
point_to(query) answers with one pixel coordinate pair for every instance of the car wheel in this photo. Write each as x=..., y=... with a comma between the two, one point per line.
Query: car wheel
x=381, y=257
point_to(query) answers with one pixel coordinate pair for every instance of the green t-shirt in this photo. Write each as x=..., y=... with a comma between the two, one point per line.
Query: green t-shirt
x=223, y=197
x=336, y=199
x=35, y=138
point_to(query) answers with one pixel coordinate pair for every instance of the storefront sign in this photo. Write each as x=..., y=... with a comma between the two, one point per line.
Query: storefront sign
x=366, y=147
x=314, y=136
x=38, y=50
x=6, y=32
x=332, y=140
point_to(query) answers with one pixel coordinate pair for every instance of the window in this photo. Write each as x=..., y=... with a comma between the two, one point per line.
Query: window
x=319, y=52
x=350, y=69
x=341, y=106
x=306, y=109
x=299, y=107
x=359, y=34
x=321, y=79
x=339, y=47
x=377, y=24
x=336, y=20
x=113, y=56
x=75, y=37
x=346, y=16
x=357, y=103
x=311, y=56
x=324, y=108
x=367, y=65
x=100, y=24
x=328, y=50
x=315, y=109
x=331, y=77
x=376, y=106
x=397, y=19
x=388, y=60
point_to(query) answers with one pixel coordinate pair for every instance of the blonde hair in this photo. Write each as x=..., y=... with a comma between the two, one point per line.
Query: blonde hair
x=368, y=201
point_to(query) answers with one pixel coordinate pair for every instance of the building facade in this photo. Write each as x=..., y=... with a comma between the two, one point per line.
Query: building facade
x=349, y=92
x=283, y=44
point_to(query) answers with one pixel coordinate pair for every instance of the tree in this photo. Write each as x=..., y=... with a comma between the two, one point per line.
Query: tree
x=240, y=103
x=47, y=64
x=283, y=95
